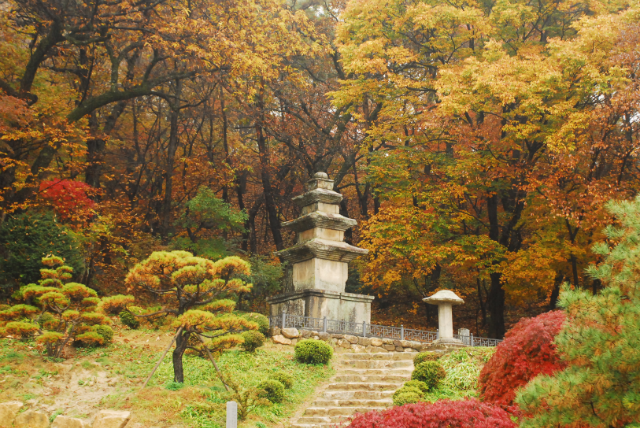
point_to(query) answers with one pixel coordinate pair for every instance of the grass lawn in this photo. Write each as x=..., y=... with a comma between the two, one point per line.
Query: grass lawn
x=110, y=378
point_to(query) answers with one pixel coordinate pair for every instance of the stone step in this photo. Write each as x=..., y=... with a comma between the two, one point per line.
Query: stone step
x=375, y=364
x=316, y=420
x=380, y=356
x=358, y=386
x=353, y=403
x=406, y=372
x=358, y=394
x=338, y=411
x=369, y=378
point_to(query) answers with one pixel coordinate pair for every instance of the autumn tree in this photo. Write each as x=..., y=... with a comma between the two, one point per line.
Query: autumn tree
x=598, y=342
x=196, y=291
x=480, y=115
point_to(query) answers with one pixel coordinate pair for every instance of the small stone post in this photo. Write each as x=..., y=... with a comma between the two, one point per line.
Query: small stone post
x=232, y=414
x=445, y=299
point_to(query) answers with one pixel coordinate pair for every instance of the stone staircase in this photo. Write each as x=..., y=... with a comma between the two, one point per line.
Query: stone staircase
x=363, y=382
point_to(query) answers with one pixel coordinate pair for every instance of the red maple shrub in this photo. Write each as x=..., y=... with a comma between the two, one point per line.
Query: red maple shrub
x=70, y=198
x=527, y=351
x=441, y=414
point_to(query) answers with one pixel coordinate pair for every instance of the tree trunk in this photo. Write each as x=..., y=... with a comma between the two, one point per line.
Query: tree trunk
x=553, y=299
x=181, y=346
x=171, y=152
x=270, y=205
x=495, y=299
x=495, y=305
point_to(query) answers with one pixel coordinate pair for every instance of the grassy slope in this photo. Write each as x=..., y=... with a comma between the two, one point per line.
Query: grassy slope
x=463, y=370
x=111, y=377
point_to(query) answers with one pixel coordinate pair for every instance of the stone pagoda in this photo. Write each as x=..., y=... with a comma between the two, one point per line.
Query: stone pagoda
x=320, y=260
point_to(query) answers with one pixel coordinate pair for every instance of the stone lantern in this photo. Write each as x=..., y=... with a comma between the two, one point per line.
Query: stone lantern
x=320, y=260
x=445, y=299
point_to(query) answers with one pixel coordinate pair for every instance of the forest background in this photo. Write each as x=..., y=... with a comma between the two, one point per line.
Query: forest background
x=476, y=142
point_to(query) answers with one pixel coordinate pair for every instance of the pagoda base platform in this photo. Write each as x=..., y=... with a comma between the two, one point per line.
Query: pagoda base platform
x=322, y=303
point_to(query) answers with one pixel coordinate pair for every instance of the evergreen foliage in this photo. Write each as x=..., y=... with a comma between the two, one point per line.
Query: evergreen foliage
x=425, y=356
x=273, y=390
x=407, y=397
x=128, y=319
x=55, y=311
x=205, y=218
x=26, y=238
x=252, y=340
x=429, y=372
x=261, y=320
x=417, y=384
x=312, y=351
x=406, y=389
x=284, y=378
x=599, y=342
x=113, y=305
x=527, y=351
x=196, y=291
x=105, y=331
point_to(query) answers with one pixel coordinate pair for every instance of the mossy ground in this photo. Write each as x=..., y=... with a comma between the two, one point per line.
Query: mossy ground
x=111, y=378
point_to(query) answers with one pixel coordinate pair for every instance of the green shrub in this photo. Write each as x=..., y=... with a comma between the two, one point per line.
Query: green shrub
x=252, y=340
x=408, y=389
x=284, y=378
x=129, y=320
x=417, y=384
x=272, y=390
x=24, y=239
x=429, y=372
x=312, y=351
x=407, y=398
x=105, y=331
x=261, y=320
x=425, y=356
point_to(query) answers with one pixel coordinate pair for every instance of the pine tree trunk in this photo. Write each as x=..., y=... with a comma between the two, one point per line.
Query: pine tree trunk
x=181, y=346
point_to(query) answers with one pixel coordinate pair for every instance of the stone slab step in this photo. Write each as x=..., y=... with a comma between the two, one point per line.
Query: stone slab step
x=390, y=356
x=373, y=386
x=357, y=395
x=371, y=378
x=376, y=372
x=316, y=420
x=338, y=411
x=353, y=403
x=376, y=364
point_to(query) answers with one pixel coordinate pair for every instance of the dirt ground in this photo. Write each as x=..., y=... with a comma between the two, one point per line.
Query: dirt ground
x=86, y=380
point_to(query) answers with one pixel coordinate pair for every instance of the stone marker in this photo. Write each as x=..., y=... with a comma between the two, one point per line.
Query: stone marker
x=8, y=412
x=445, y=299
x=232, y=414
x=31, y=419
x=65, y=422
x=111, y=419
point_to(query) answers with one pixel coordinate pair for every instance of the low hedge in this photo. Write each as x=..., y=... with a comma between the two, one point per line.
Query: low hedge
x=429, y=372
x=273, y=390
x=284, y=378
x=312, y=351
x=253, y=339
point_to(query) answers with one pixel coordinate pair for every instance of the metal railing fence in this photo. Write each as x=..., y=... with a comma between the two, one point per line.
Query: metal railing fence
x=370, y=330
